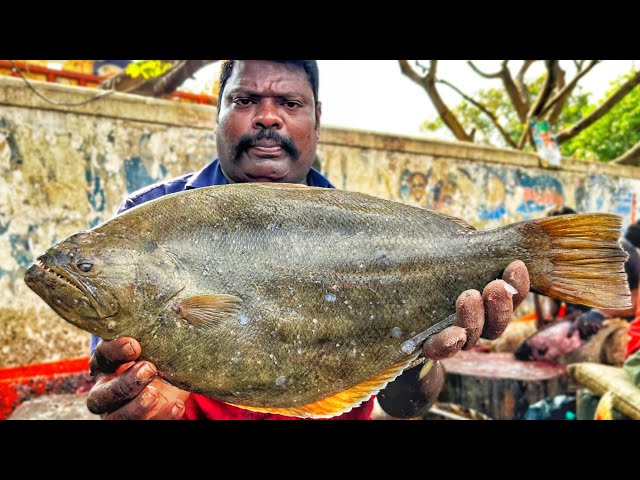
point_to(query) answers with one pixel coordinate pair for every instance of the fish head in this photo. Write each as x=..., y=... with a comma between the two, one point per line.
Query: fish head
x=84, y=279
x=549, y=344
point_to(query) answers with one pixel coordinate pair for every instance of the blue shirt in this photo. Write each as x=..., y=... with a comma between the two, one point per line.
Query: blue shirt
x=210, y=175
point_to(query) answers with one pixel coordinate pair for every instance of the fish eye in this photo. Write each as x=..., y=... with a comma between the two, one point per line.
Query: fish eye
x=84, y=265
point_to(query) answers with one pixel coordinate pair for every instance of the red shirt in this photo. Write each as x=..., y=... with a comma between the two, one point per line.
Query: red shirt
x=634, y=336
x=198, y=407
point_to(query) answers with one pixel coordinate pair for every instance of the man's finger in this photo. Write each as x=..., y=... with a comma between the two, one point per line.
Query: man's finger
x=517, y=275
x=498, y=305
x=110, y=395
x=137, y=408
x=108, y=356
x=470, y=316
x=445, y=344
x=170, y=411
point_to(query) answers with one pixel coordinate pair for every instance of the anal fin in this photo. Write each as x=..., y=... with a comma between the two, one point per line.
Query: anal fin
x=345, y=400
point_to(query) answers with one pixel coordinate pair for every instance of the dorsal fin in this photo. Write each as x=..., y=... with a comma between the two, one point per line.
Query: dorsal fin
x=345, y=400
x=458, y=221
x=207, y=311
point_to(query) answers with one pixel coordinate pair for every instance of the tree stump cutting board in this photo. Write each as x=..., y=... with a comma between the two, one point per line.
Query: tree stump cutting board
x=500, y=386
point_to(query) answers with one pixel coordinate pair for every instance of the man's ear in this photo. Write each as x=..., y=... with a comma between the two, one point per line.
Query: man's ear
x=318, y=113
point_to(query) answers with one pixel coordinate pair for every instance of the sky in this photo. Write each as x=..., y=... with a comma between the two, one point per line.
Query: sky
x=374, y=95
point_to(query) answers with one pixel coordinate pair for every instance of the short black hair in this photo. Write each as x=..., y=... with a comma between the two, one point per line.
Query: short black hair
x=633, y=233
x=560, y=210
x=310, y=67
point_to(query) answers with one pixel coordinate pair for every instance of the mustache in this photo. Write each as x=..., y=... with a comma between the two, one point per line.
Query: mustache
x=248, y=141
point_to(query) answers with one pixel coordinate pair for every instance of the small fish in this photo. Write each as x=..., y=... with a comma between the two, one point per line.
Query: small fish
x=304, y=301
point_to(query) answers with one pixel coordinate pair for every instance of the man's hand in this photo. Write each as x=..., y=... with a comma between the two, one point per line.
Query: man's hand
x=487, y=315
x=587, y=324
x=129, y=390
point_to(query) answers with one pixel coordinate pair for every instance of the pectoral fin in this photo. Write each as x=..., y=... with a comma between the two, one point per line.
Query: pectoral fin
x=345, y=400
x=207, y=311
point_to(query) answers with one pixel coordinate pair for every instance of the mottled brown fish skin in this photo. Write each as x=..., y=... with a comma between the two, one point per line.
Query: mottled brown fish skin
x=331, y=284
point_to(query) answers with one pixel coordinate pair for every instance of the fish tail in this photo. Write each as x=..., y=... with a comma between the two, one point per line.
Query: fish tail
x=578, y=259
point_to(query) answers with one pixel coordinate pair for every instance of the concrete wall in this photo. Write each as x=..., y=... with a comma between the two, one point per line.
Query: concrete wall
x=64, y=169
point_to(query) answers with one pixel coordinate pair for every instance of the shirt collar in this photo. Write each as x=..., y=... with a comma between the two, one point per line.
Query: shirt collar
x=212, y=174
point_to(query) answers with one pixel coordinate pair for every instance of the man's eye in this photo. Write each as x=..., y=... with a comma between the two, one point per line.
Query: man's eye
x=243, y=101
x=292, y=104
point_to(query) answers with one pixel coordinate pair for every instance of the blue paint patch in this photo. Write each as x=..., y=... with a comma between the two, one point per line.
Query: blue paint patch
x=5, y=227
x=20, y=249
x=493, y=214
x=623, y=202
x=15, y=157
x=136, y=174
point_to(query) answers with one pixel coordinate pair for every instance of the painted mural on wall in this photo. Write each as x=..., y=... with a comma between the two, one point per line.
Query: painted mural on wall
x=486, y=195
x=61, y=173
x=64, y=172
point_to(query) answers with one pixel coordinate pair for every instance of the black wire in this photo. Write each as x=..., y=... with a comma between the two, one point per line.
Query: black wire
x=62, y=104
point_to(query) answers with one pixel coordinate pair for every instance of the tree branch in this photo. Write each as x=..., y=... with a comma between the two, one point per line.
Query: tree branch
x=545, y=92
x=160, y=86
x=428, y=83
x=521, y=86
x=481, y=73
x=484, y=109
x=630, y=157
x=561, y=97
x=607, y=105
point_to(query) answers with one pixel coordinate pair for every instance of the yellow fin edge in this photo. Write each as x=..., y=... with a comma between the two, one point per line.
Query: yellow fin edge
x=343, y=401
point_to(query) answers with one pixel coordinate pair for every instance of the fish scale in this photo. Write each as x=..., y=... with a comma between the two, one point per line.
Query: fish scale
x=309, y=293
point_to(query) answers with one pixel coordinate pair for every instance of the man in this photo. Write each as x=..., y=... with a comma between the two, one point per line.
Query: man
x=268, y=127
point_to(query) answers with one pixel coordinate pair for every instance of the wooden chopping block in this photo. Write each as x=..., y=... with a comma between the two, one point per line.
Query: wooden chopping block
x=500, y=386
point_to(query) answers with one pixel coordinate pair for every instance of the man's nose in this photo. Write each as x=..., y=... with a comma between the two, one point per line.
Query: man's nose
x=267, y=116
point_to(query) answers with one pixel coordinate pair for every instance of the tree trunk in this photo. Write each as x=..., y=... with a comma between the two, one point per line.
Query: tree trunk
x=498, y=385
x=160, y=86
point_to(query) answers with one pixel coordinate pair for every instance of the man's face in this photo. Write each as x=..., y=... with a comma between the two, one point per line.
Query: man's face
x=268, y=125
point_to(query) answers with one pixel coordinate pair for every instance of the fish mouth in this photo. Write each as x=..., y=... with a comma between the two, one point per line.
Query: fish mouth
x=63, y=278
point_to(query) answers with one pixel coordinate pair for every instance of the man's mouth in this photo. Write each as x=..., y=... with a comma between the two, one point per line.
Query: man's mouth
x=267, y=151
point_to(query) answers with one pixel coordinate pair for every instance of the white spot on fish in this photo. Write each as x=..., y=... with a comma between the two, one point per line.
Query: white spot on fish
x=243, y=320
x=408, y=346
x=396, y=332
x=280, y=381
x=329, y=297
x=272, y=357
x=111, y=325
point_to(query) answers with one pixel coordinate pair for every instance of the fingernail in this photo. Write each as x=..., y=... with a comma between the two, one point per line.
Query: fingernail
x=144, y=373
x=177, y=408
x=510, y=289
x=128, y=349
x=148, y=396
